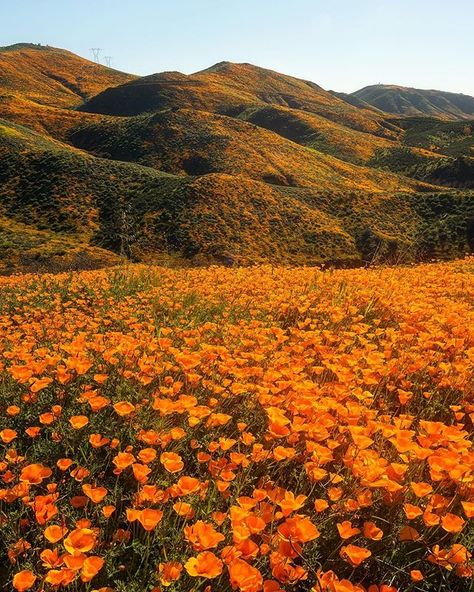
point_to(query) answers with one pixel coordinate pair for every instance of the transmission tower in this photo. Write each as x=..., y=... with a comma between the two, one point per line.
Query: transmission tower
x=108, y=60
x=96, y=52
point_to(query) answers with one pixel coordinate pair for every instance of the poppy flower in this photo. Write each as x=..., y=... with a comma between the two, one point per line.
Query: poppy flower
x=35, y=474
x=78, y=421
x=24, y=580
x=172, y=462
x=8, y=436
x=80, y=540
x=452, y=523
x=124, y=408
x=55, y=533
x=244, y=577
x=169, y=572
x=202, y=535
x=91, y=567
x=372, y=531
x=96, y=494
x=204, y=565
x=346, y=530
x=354, y=555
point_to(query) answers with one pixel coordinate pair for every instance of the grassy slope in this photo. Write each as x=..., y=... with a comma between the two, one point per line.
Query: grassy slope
x=230, y=88
x=416, y=102
x=53, y=76
x=270, y=184
x=196, y=142
x=138, y=211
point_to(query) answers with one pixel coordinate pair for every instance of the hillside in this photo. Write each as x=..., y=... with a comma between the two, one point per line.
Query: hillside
x=141, y=212
x=197, y=143
x=229, y=88
x=411, y=102
x=51, y=76
x=235, y=164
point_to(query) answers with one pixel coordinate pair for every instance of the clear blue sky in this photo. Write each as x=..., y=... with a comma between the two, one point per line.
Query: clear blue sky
x=340, y=44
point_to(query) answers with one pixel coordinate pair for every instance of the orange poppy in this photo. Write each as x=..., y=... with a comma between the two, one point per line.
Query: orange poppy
x=346, y=530
x=172, y=462
x=204, y=565
x=244, y=576
x=55, y=533
x=35, y=474
x=354, y=555
x=169, y=572
x=78, y=421
x=371, y=531
x=24, y=580
x=124, y=408
x=91, y=567
x=80, y=540
x=96, y=494
x=202, y=535
x=452, y=523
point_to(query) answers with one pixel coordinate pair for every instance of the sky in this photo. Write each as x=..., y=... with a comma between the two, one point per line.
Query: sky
x=342, y=45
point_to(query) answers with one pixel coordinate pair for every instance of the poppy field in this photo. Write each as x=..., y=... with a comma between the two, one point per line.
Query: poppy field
x=251, y=429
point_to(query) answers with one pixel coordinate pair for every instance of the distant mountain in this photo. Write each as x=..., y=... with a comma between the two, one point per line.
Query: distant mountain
x=401, y=100
x=235, y=164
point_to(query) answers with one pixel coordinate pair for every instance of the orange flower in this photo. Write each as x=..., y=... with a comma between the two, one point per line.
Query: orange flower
x=107, y=511
x=371, y=531
x=172, y=462
x=141, y=472
x=24, y=580
x=183, y=509
x=416, y=575
x=452, y=523
x=298, y=529
x=148, y=518
x=244, y=576
x=354, y=555
x=468, y=508
x=346, y=530
x=96, y=494
x=80, y=540
x=205, y=565
x=78, y=421
x=320, y=505
x=63, y=464
x=124, y=408
x=91, y=567
x=147, y=455
x=169, y=572
x=55, y=533
x=8, y=436
x=60, y=577
x=34, y=474
x=123, y=460
x=412, y=512
x=202, y=535
x=421, y=489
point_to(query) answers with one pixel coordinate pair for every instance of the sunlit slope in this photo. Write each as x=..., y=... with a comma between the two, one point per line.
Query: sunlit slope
x=140, y=212
x=197, y=142
x=230, y=88
x=417, y=102
x=53, y=76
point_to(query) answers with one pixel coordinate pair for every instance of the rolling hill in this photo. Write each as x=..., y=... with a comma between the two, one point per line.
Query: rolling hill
x=401, y=100
x=234, y=164
x=51, y=76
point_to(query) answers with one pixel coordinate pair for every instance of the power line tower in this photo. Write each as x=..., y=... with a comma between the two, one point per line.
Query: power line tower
x=96, y=53
x=108, y=60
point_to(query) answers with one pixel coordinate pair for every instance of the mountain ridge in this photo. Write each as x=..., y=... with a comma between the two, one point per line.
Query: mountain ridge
x=409, y=101
x=233, y=164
